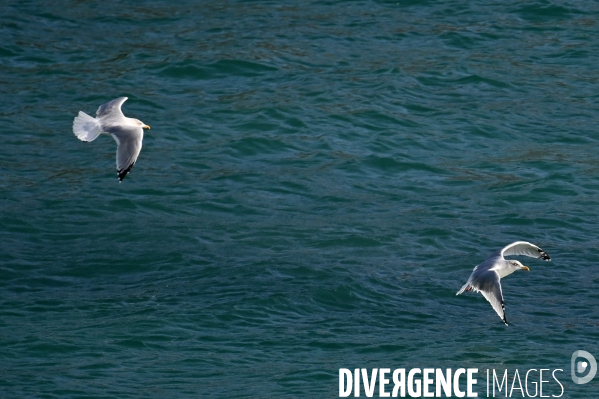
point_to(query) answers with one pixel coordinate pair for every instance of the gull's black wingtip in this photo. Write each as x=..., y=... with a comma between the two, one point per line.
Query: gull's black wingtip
x=543, y=255
x=122, y=173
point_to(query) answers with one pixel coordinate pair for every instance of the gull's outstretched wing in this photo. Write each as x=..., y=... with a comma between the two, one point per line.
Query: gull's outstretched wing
x=112, y=109
x=523, y=248
x=495, y=298
x=128, y=148
x=489, y=286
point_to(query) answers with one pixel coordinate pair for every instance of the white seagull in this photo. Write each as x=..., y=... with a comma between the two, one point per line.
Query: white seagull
x=127, y=132
x=486, y=276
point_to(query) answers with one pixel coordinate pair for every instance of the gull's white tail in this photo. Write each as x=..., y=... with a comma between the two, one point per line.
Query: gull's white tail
x=85, y=127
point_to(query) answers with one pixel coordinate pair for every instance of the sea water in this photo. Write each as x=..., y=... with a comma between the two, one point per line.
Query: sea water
x=319, y=180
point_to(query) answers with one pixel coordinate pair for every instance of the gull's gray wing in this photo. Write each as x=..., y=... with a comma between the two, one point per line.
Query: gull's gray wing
x=128, y=148
x=488, y=284
x=522, y=248
x=112, y=109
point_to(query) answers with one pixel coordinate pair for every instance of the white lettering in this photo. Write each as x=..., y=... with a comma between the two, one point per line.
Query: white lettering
x=382, y=382
x=369, y=385
x=541, y=384
x=413, y=383
x=471, y=381
x=426, y=381
x=420, y=382
x=516, y=374
x=344, y=389
x=534, y=383
x=444, y=382
x=503, y=380
x=560, y=384
x=456, y=383
x=399, y=383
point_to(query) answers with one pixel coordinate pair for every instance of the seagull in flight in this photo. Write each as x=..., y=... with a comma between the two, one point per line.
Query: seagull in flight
x=486, y=277
x=127, y=132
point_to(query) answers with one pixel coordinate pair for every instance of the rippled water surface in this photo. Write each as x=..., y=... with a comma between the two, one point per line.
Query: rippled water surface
x=319, y=180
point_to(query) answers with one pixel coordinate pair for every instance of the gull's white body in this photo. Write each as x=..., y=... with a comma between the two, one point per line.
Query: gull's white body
x=127, y=132
x=485, y=278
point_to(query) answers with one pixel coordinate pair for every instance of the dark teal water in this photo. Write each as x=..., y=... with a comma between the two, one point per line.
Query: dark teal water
x=319, y=181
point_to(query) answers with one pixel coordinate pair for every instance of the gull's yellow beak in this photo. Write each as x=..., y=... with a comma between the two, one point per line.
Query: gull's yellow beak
x=525, y=268
x=146, y=127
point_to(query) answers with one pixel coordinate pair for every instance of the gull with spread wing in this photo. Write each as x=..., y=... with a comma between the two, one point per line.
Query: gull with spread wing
x=127, y=132
x=486, y=277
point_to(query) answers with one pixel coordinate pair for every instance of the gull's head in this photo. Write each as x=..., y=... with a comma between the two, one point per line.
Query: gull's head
x=515, y=265
x=141, y=124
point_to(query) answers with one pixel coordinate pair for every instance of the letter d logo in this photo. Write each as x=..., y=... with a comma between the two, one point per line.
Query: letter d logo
x=582, y=366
